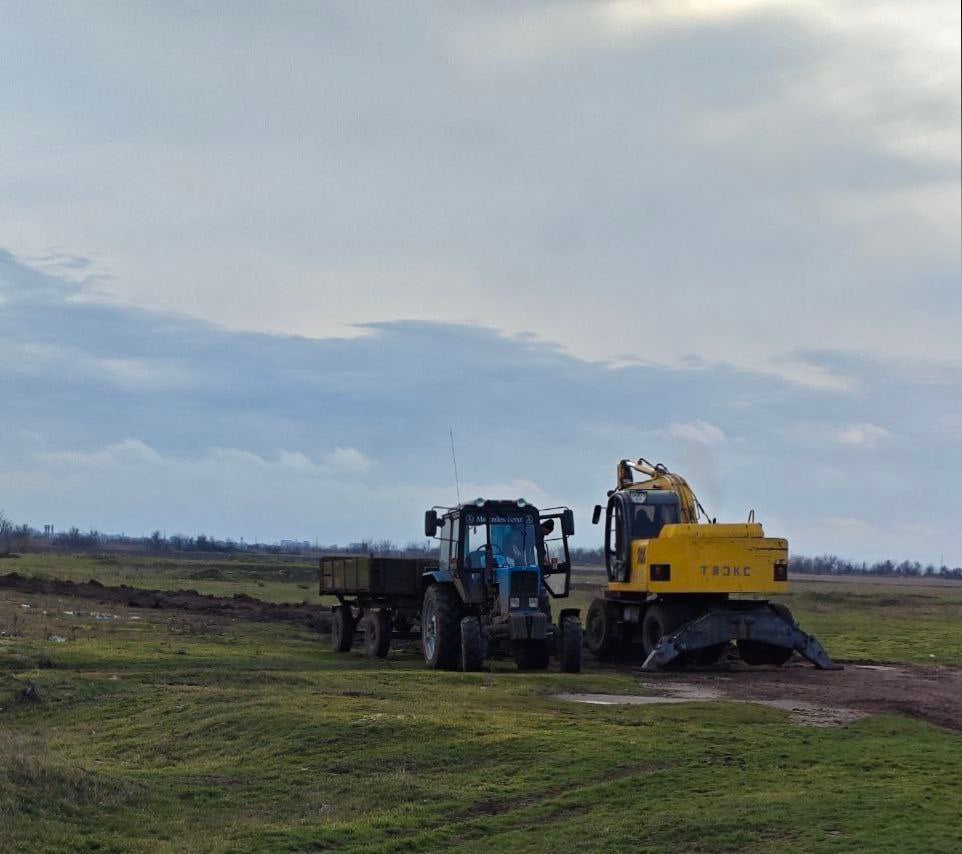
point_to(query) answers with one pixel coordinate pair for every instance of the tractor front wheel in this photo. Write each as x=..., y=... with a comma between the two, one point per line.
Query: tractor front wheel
x=441, y=627
x=472, y=644
x=571, y=636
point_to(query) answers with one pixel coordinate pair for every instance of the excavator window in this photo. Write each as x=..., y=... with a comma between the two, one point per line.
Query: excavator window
x=649, y=520
x=650, y=512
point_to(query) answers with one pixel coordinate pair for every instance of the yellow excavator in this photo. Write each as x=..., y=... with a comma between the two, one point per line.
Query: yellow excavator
x=672, y=573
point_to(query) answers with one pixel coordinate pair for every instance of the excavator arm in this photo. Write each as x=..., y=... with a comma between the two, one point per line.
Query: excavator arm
x=658, y=477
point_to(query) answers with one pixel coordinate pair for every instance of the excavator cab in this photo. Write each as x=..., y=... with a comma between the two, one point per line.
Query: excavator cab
x=631, y=515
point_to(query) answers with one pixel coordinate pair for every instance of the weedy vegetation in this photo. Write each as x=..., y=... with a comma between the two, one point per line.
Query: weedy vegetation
x=157, y=731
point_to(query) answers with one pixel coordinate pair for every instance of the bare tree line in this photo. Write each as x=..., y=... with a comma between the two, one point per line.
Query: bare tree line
x=21, y=538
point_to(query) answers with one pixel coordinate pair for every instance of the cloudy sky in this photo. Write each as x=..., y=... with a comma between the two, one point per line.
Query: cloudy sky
x=257, y=258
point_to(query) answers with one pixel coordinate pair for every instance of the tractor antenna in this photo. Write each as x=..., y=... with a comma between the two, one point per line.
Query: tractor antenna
x=454, y=459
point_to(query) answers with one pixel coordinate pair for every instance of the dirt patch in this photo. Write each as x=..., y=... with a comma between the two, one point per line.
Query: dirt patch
x=239, y=606
x=929, y=692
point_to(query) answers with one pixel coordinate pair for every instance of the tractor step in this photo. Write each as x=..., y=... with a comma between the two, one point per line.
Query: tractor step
x=761, y=625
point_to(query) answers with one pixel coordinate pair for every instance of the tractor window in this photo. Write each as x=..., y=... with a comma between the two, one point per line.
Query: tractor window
x=556, y=550
x=475, y=542
x=514, y=539
x=499, y=540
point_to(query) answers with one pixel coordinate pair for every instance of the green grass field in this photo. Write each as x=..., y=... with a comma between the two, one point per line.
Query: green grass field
x=160, y=732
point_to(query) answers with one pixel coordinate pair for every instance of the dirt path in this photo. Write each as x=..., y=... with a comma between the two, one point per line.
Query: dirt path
x=239, y=606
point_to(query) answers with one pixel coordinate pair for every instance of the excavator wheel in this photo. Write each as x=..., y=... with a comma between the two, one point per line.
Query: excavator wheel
x=759, y=653
x=600, y=629
x=661, y=619
x=707, y=655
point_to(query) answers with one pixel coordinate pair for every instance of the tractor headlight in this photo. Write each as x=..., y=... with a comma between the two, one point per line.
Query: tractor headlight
x=533, y=602
x=522, y=503
x=514, y=602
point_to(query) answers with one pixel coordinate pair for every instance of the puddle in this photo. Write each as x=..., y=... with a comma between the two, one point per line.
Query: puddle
x=619, y=699
x=802, y=713
x=685, y=691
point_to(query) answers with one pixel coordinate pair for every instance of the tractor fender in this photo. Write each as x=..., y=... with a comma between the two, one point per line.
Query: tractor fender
x=436, y=576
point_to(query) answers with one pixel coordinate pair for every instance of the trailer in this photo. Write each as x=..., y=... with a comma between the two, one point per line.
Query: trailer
x=379, y=596
x=500, y=563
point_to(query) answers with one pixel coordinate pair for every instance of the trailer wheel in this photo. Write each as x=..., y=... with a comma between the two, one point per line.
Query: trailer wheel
x=377, y=634
x=441, y=627
x=472, y=644
x=600, y=629
x=571, y=637
x=342, y=628
x=531, y=654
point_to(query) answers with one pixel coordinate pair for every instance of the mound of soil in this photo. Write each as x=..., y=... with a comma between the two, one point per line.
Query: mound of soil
x=238, y=606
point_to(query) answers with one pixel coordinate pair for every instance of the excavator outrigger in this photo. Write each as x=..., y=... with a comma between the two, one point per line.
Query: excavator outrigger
x=671, y=578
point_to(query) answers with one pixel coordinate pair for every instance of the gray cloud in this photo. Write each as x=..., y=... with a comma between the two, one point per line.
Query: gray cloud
x=731, y=181
x=127, y=419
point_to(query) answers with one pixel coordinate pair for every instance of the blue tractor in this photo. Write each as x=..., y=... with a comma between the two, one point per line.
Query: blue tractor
x=500, y=563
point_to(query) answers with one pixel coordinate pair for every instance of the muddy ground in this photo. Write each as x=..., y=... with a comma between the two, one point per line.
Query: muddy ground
x=815, y=697
x=239, y=606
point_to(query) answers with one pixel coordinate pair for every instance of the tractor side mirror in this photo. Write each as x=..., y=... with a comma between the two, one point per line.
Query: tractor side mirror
x=430, y=523
x=568, y=523
x=596, y=514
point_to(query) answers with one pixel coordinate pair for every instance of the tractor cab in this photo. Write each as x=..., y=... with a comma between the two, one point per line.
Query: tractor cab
x=503, y=556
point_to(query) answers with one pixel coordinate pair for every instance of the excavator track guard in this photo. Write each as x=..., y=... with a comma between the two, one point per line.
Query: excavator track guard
x=763, y=625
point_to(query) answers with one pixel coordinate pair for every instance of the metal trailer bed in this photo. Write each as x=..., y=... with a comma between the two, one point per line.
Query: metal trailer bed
x=381, y=596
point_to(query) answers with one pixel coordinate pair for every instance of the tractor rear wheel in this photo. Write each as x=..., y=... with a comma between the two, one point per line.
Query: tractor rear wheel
x=571, y=636
x=472, y=644
x=441, y=627
x=600, y=629
x=342, y=628
x=531, y=654
x=377, y=634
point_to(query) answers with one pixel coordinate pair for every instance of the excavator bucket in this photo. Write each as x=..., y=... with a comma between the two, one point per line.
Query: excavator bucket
x=759, y=625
